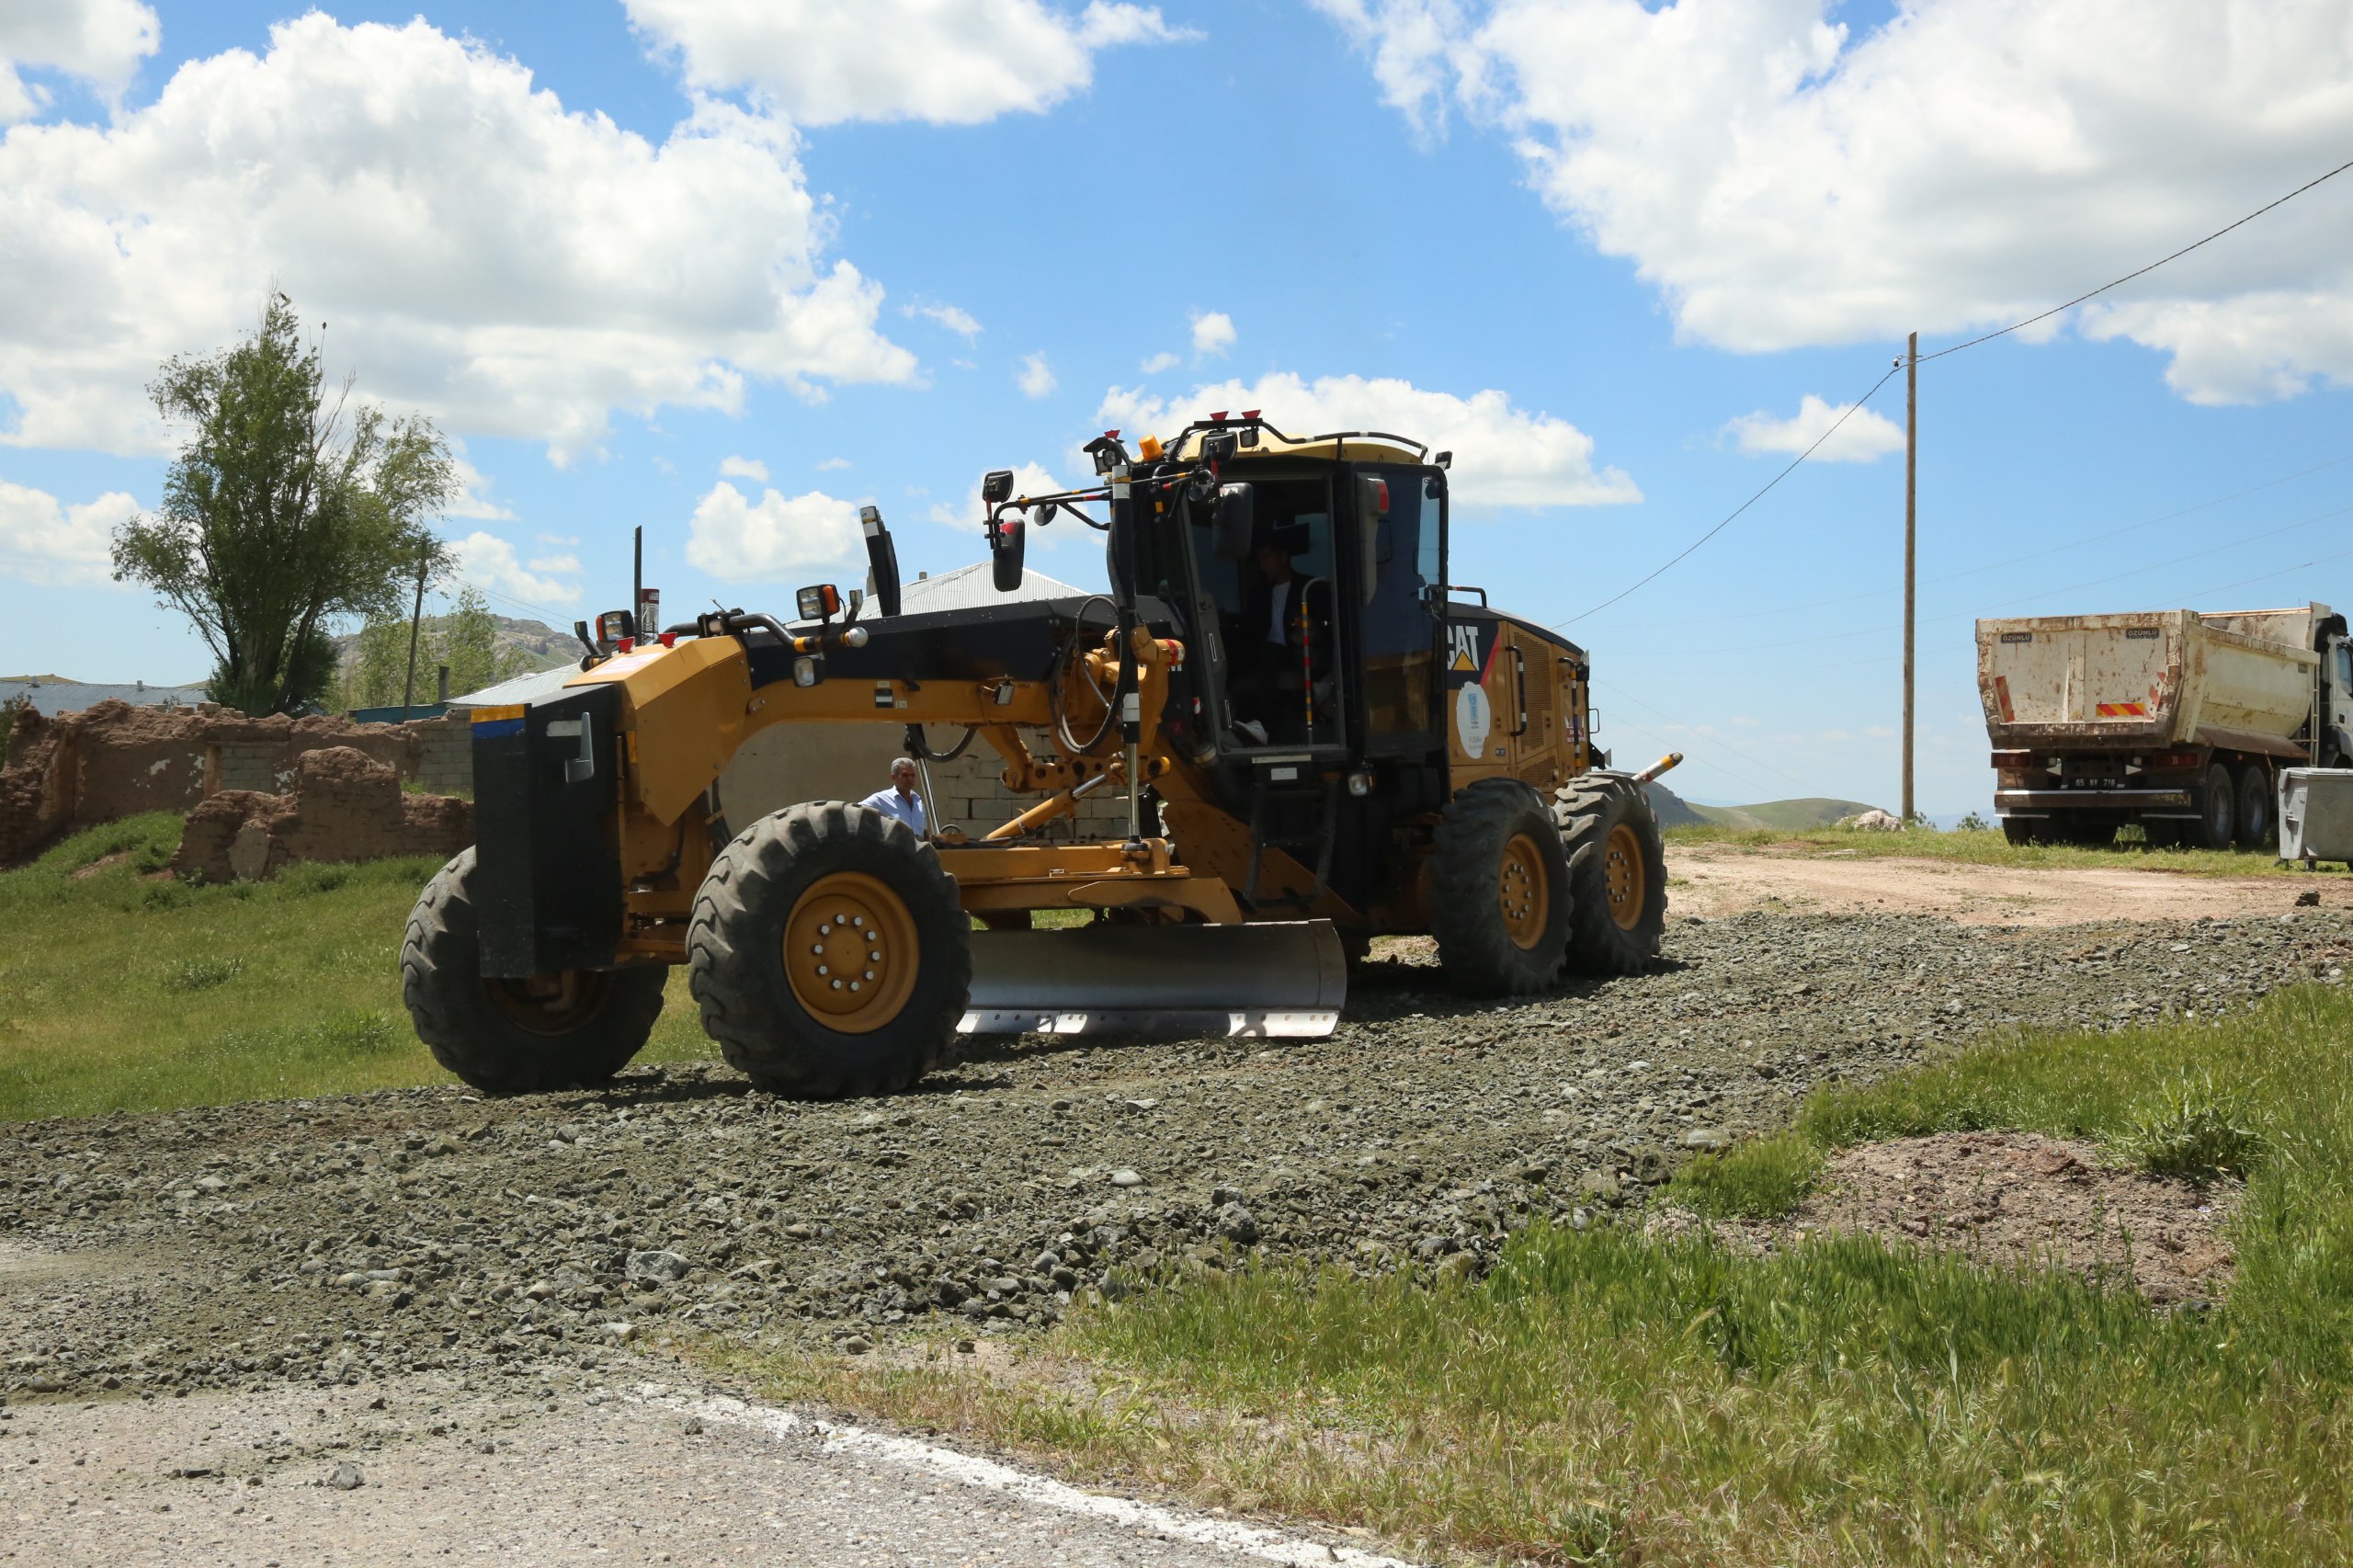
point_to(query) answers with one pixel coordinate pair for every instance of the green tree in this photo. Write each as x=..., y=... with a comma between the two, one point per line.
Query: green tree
x=284, y=509
x=467, y=642
x=466, y=639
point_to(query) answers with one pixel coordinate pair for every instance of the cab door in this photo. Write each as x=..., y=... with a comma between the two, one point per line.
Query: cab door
x=1401, y=554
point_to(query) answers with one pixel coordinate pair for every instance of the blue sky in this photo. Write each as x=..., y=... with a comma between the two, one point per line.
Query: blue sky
x=1582, y=242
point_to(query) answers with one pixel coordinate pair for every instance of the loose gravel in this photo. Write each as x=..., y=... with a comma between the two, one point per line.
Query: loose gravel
x=331, y=1241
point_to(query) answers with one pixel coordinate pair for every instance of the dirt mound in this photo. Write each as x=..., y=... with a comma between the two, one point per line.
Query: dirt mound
x=345, y=806
x=2019, y=1200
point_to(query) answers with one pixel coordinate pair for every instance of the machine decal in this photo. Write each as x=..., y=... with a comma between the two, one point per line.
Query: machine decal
x=1471, y=648
x=1474, y=716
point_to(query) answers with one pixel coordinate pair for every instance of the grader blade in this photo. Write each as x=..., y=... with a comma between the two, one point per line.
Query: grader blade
x=1286, y=980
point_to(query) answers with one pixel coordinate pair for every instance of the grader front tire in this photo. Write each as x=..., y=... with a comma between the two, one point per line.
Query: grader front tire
x=828, y=953
x=515, y=1037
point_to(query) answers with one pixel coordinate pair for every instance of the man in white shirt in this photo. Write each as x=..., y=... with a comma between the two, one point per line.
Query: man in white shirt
x=900, y=800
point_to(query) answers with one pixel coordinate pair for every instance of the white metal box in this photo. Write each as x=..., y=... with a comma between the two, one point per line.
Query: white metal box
x=2316, y=814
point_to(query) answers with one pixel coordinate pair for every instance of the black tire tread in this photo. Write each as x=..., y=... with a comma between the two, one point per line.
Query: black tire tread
x=1466, y=918
x=1586, y=813
x=734, y=964
x=441, y=984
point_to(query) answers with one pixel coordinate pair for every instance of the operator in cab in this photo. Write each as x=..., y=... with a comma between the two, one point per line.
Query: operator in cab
x=900, y=800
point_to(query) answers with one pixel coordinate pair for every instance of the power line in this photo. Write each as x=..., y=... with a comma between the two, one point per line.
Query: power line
x=2050, y=593
x=2128, y=277
x=1847, y=414
x=2039, y=554
x=1918, y=359
x=1712, y=741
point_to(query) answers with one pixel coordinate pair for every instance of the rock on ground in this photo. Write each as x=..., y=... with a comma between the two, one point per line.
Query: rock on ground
x=330, y=1242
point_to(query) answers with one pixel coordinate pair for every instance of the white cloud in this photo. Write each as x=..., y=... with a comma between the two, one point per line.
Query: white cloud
x=477, y=251
x=557, y=539
x=1502, y=456
x=100, y=42
x=473, y=495
x=1212, y=332
x=1865, y=436
x=831, y=464
x=1036, y=376
x=1029, y=478
x=60, y=546
x=738, y=540
x=1159, y=362
x=947, y=62
x=959, y=322
x=490, y=562
x=743, y=468
x=1784, y=179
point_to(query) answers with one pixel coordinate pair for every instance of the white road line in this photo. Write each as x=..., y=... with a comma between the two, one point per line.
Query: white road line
x=1226, y=1535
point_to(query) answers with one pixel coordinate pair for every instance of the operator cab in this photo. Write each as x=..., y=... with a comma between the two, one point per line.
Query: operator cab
x=1320, y=641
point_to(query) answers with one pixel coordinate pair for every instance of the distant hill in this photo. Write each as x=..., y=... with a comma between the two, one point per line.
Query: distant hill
x=1673, y=810
x=1782, y=816
x=542, y=647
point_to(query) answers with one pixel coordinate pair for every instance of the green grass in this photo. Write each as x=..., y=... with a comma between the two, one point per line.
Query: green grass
x=118, y=991
x=1605, y=1398
x=1987, y=849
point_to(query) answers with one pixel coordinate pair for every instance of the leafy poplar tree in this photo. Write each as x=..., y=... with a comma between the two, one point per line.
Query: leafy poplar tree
x=284, y=509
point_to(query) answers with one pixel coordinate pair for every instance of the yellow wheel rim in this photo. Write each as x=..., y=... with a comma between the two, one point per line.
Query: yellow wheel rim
x=1527, y=896
x=850, y=953
x=1623, y=872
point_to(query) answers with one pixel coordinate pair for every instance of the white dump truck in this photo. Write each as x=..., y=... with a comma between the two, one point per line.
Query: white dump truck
x=2172, y=719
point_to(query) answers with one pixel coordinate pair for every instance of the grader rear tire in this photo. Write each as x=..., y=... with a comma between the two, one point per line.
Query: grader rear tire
x=1499, y=892
x=1610, y=837
x=829, y=954
x=515, y=1037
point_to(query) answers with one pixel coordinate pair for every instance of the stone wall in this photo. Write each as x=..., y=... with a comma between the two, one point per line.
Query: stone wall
x=114, y=760
x=344, y=805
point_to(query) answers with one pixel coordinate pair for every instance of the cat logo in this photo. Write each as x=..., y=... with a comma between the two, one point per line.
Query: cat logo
x=1462, y=639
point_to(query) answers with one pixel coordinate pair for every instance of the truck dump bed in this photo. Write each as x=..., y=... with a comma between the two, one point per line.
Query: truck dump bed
x=2242, y=679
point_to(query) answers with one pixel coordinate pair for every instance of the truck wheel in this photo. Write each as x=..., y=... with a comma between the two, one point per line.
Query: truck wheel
x=1618, y=872
x=1499, y=891
x=2255, y=824
x=2019, y=830
x=515, y=1037
x=829, y=954
x=2218, y=812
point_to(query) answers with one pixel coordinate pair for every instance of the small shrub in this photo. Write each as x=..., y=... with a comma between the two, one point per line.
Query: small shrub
x=1761, y=1180
x=202, y=975
x=2195, y=1127
x=1972, y=822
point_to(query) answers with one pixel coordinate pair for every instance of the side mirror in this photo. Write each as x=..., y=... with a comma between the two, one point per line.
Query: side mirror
x=1237, y=510
x=1218, y=446
x=1008, y=536
x=997, y=486
x=614, y=625
x=882, y=559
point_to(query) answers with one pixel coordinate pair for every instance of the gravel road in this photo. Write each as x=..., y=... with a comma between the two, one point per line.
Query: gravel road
x=329, y=1242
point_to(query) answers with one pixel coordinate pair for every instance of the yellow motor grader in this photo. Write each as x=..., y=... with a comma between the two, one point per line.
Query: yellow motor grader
x=1319, y=737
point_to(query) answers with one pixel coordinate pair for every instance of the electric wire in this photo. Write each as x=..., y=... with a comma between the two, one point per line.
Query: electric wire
x=1918, y=359
x=2140, y=272
x=1845, y=414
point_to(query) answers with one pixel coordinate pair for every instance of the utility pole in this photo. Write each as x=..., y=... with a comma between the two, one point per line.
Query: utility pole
x=415, y=619
x=1911, y=541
